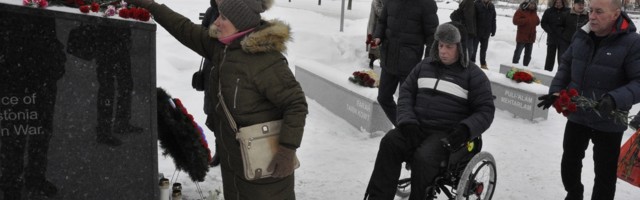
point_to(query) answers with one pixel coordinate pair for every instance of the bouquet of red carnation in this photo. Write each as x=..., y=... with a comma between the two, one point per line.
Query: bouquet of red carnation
x=520, y=76
x=564, y=104
x=362, y=78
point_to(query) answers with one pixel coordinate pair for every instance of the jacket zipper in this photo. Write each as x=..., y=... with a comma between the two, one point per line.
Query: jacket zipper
x=235, y=94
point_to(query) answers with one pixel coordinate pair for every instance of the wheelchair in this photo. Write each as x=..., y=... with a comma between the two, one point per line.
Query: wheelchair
x=471, y=177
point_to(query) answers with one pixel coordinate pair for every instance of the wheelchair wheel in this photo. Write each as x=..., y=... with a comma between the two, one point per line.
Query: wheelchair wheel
x=478, y=180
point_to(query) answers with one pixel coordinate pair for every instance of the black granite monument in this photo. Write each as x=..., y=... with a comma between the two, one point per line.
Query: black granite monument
x=77, y=106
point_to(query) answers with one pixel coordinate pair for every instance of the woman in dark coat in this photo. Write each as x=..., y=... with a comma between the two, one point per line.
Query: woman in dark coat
x=253, y=76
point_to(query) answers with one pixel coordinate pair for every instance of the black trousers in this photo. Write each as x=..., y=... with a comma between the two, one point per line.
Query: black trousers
x=528, y=47
x=551, y=55
x=388, y=85
x=606, y=149
x=484, y=45
x=425, y=164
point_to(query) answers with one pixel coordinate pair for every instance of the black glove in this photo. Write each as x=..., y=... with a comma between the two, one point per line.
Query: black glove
x=493, y=34
x=456, y=138
x=606, y=105
x=413, y=135
x=547, y=100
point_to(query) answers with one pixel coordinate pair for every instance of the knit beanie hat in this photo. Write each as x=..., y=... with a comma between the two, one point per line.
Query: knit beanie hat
x=448, y=33
x=244, y=14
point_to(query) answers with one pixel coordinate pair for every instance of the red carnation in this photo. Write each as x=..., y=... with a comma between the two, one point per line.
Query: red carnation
x=564, y=99
x=95, y=7
x=573, y=92
x=563, y=92
x=145, y=15
x=124, y=13
x=565, y=113
x=355, y=73
x=136, y=13
x=84, y=9
x=132, y=12
x=572, y=107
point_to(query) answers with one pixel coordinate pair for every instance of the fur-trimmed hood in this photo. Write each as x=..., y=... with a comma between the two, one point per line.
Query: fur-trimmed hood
x=269, y=36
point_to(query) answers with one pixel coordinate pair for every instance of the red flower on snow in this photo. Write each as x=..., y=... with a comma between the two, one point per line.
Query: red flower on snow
x=84, y=9
x=95, y=7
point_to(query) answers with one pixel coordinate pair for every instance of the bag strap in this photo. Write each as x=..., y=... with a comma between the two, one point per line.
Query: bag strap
x=201, y=64
x=232, y=122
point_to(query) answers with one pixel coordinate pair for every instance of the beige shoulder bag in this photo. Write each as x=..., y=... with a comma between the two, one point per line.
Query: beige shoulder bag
x=258, y=144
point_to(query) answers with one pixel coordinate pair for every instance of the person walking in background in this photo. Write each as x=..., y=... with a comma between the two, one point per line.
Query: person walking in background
x=486, y=27
x=574, y=20
x=552, y=24
x=254, y=77
x=374, y=15
x=602, y=64
x=444, y=102
x=526, y=18
x=402, y=32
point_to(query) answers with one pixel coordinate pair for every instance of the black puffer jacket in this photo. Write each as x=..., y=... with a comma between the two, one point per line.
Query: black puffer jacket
x=436, y=96
x=485, y=19
x=552, y=24
x=612, y=69
x=571, y=22
x=405, y=27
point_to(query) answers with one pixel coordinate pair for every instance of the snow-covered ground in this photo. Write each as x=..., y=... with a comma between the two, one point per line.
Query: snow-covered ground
x=337, y=159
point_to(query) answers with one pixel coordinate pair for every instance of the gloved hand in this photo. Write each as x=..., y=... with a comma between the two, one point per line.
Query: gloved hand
x=547, y=100
x=635, y=122
x=606, y=105
x=457, y=137
x=369, y=39
x=413, y=135
x=283, y=162
x=493, y=34
x=215, y=160
x=140, y=3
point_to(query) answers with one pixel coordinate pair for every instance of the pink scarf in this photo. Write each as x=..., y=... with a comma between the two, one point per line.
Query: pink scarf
x=227, y=40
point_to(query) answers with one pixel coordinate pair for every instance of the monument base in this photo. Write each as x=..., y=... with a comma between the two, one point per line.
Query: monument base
x=355, y=104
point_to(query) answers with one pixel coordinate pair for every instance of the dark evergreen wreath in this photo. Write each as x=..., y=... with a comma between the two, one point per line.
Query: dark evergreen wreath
x=181, y=138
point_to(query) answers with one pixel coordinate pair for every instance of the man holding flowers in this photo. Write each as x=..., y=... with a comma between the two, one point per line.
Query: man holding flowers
x=601, y=64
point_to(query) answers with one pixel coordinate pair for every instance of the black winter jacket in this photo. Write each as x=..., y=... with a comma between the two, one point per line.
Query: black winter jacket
x=435, y=96
x=405, y=28
x=552, y=24
x=611, y=69
x=485, y=19
x=573, y=21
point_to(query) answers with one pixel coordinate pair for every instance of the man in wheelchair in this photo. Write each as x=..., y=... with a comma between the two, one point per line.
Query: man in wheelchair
x=444, y=102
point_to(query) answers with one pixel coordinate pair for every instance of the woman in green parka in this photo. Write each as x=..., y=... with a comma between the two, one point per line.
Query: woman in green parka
x=256, y=83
